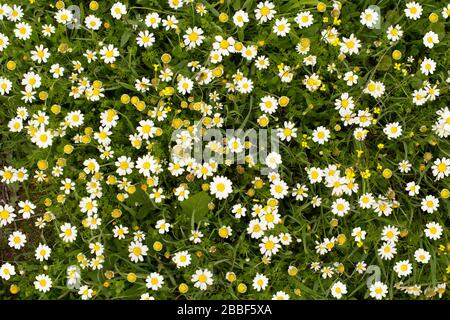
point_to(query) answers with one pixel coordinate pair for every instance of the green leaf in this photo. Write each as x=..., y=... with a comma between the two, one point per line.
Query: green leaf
x=385, y=63
x=124, y=38
x=439, y=28
x=196, y=207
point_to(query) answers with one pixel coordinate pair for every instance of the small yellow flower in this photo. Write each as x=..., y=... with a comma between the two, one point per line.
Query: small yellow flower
x=359, y=153
x=366, y=174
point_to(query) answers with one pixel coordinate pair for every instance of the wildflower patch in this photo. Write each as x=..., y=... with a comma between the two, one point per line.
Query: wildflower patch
x=186, y=149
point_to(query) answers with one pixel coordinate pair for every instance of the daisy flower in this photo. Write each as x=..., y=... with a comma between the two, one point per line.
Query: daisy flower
x=193, y=37
x=265, y=11
x=202, y=278
x=118, y=10
x=221, y=187
x=413, y=10
x=260, y=282
x=378, y=290
x=43, y=283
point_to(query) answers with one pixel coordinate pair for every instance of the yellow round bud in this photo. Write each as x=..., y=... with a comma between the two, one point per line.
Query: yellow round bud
x=93, y=5
x=242, y=288
x=134, y=100
x=120, y=197
x=263, y=121
x=131, y=189
x=259, y=184
x=85, y=139
x=116, y=213
x=272, y=202
x=97, y=84
x=55, y=108
x=433, y=17
x=48, y=216
x=183, y=288
x=396, y=55
x=125, y=99
x=217, y=72
x=43, y=95
x=321, y=7
x=223, y=17
x=177, y=123
x=445, y=193
x=334, y=223
x=131, y=277
x=88, y=131
x=61, y=162
x=238, y=46
x=231, y=276
x=292, y=271
x=60, y=5
x=166, y=58
x=11, y=65
x=140, y=106
x=60, y=198
x=14, y=289
x=48, y=202
x=341, y=239
x=42, y=164
x=387, y=173
x=68, y=149
x=111, y=180
x=283, y=101
x=157, y=246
